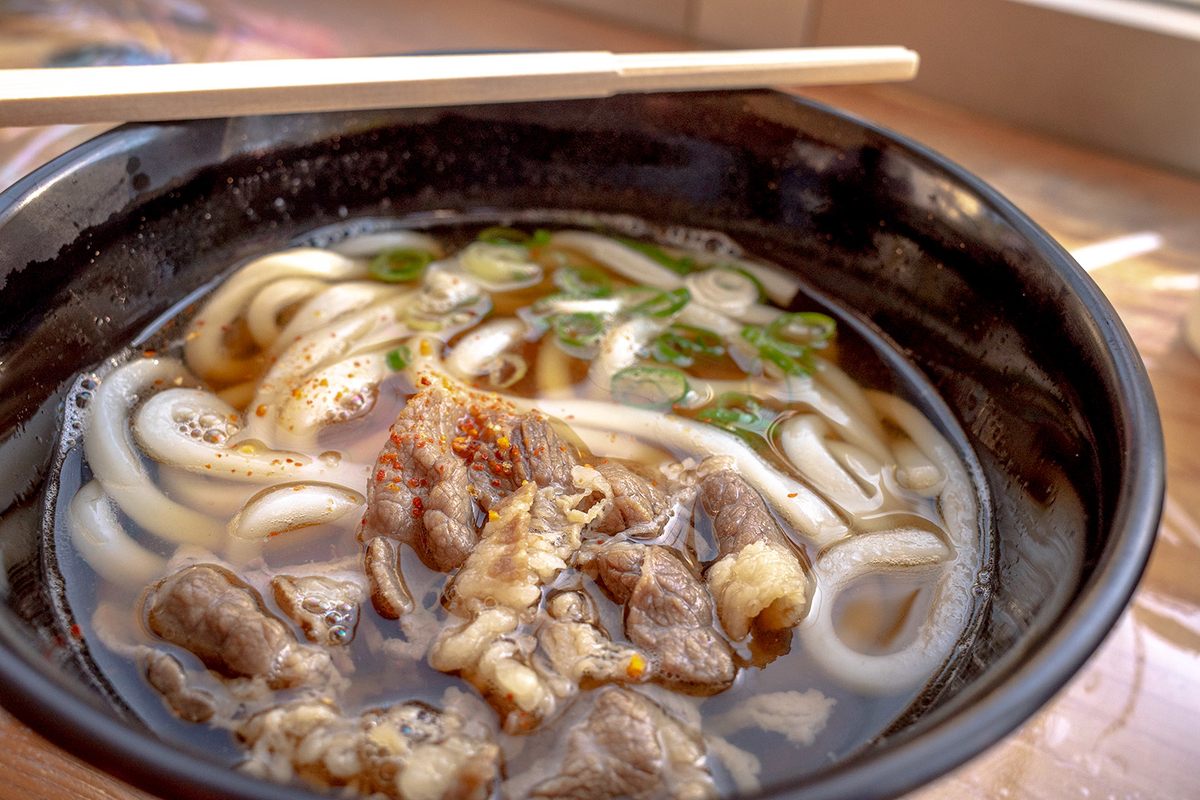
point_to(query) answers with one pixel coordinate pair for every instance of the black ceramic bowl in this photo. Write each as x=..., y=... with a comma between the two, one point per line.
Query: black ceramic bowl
x=1018, y=341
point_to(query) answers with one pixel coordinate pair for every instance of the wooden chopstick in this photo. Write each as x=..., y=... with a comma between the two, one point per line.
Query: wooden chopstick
x=180, y=91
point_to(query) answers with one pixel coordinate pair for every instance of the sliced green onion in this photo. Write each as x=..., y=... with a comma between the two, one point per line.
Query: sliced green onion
x=656, y=303
x=583, y=281
x=649, y=387
x=738, y=412
x=682, y=265
x=788, y=364
x=637, y=295
x=540, y=238
x=500, y=267
x=681, y=344
x=796, y=334
x=578, y=330
x=399, y=358
x=499, y=234
x=397, y=266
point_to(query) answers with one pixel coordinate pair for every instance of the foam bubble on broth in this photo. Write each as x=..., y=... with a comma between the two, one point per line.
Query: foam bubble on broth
x=859, y=483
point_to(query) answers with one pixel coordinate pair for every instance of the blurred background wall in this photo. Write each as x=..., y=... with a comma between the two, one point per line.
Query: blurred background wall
x=1120, y=75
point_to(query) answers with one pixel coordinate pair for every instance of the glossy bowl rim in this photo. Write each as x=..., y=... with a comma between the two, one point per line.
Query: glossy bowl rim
x=1008, y=695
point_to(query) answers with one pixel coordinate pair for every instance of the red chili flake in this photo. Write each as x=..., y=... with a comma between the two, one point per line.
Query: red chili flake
x=413, y=482
x=496, y=483
x=76, y=632
x=477, y=467
x=418, y=507
x=420, y=443
x=379, y=476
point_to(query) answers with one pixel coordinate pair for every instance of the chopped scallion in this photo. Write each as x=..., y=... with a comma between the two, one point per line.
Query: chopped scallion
x=499, y=234
x=683, y=265
x=399, y=358
x=737, y=412
x=679, y=345
x=796, y=334
x=649, y=387
x=578, y=330
x=655, y=302
x=583, y=281
x=398, y=266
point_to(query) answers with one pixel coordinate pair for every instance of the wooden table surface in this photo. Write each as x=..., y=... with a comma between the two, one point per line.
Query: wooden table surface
x=1128, y=725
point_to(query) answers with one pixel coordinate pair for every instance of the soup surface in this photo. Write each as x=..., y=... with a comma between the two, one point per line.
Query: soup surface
x=466, y=511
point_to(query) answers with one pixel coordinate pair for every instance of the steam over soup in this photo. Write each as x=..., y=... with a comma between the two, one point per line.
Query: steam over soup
x=535, y=513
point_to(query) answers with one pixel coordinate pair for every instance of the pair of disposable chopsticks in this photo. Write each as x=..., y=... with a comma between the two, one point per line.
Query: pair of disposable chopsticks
x=179, y=91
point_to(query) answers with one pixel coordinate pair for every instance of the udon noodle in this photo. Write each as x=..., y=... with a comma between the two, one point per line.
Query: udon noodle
x=600, y=484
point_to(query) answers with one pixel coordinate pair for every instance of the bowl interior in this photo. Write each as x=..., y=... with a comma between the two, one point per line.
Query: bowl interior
x=1016, y=339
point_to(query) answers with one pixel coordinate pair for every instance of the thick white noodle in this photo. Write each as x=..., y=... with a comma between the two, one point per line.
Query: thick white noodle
x=957, y=560
x=723, y=290
x=803, y=509
x=101, y=541
x=157, y=428
x=856, y=461
x=610, y=444
x=856, y=427
x=804, y=440
x=621, y=347
x=369, y=244
x=915, y=471
x=291, y=506
x=780, y=286
x=116, y=463
x=801, y=390
x=338, y=393
x=205, y=493
x=331, y=305
x=262, y=314
x=757, y=314
x=620, y=258
x=327, y=374
x=476, y=351
x=205, y=351
x=831, y=377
